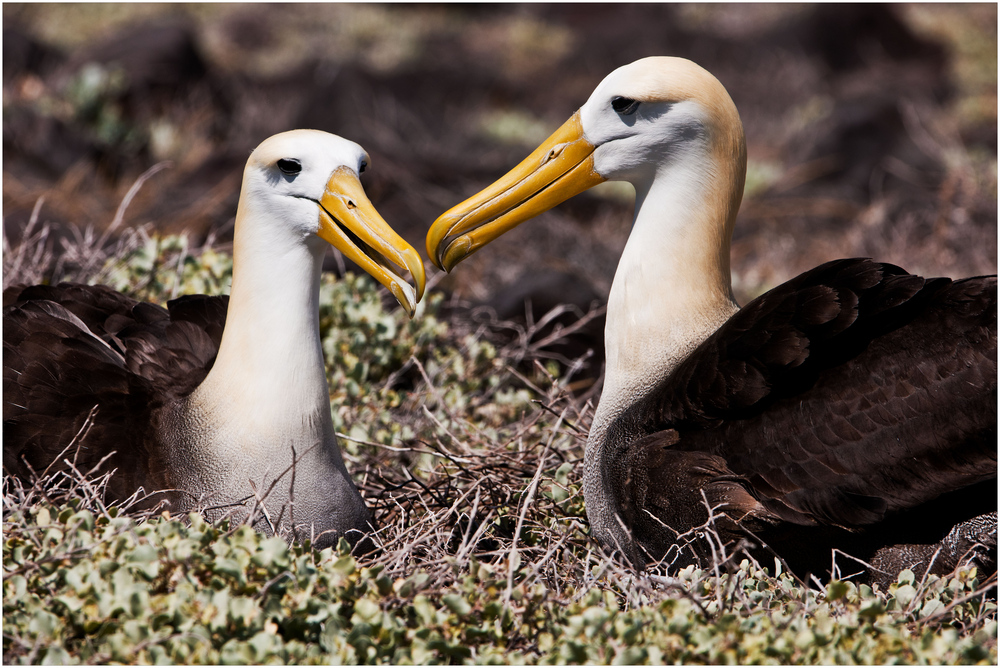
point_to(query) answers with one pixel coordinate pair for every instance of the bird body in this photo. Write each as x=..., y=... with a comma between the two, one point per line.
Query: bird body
x=842, y=400
x=844, y=409
x=213, y=402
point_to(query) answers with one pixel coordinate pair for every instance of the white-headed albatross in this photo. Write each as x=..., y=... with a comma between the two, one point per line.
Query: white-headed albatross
x=853, y=407
x=207, y=400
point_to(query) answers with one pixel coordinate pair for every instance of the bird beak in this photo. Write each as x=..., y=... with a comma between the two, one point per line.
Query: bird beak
x=561, y=167
x=350, y=223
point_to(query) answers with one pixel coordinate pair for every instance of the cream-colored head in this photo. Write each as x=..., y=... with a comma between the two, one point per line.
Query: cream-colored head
x=643, y=119
x=658, y=112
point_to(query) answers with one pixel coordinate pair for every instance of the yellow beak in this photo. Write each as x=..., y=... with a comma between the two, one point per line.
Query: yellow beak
x=350, y=223
x=561, y=167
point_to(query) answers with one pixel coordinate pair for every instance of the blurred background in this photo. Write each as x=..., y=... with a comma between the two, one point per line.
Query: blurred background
x=871, y=129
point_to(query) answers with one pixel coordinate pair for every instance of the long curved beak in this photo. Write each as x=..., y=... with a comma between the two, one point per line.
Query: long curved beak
x=561, y=167
x=350, y=223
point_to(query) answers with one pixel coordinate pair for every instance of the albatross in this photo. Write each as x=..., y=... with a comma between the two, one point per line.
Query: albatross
x=212, y=402
x=852, y=408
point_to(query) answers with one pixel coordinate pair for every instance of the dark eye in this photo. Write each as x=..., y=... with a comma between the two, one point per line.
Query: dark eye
x=289, y=166
x=361, y=168
x=625, y=106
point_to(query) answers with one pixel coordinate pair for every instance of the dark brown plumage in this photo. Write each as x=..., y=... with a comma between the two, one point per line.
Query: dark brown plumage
x=72, y=348
x=854, y=407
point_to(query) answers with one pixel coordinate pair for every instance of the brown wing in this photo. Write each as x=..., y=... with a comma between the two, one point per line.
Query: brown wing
x=850, y=393
x=70, y=349
x=667, y=493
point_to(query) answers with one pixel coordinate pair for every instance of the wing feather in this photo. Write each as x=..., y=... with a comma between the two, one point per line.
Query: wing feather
x=849, y=393
x=71, y=348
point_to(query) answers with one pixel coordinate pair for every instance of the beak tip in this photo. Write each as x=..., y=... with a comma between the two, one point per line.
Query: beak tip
x=415, y=264
x=405, y=295
x=440, y=264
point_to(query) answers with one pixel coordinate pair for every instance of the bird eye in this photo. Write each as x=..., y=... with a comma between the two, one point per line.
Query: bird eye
x=625, y=106
x=361, y=168
x=289, y=166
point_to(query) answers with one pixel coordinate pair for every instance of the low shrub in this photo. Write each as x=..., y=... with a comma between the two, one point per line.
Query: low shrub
x=470, y=453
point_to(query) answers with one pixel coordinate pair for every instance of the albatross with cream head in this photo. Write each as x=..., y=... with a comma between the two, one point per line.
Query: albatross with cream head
x=853, y=407
x=212, y=401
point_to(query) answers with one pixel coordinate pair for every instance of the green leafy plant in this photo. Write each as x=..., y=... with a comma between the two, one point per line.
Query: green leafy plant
x=472, y=462
x=81, y=587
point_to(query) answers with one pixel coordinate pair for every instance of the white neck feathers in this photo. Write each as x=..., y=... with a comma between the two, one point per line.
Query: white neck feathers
x=266, y=395
x=270, y=362
x=673, y=285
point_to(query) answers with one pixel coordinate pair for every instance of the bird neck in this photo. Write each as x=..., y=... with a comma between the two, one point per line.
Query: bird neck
x=271, y=354
x=672, y=290
x=265, y=404
x=268, y=388
x=673, y=286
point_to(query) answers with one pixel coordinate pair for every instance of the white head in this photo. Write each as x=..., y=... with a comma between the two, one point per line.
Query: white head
x=655, y=113
x=303, y=187
x=643, y=119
